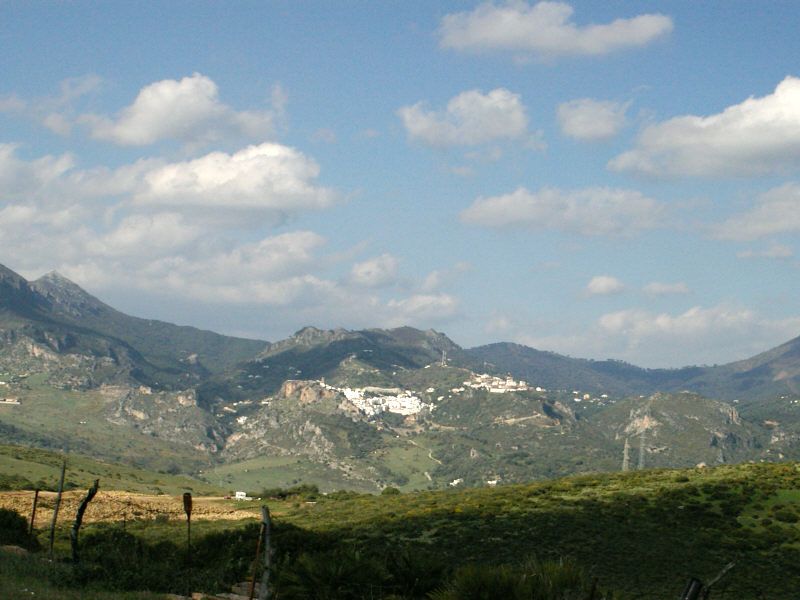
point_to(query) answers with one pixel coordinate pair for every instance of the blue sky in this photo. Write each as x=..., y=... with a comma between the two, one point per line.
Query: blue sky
x=604, y=180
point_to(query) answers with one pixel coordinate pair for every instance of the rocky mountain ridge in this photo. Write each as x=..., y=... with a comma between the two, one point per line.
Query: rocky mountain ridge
x=376, y=407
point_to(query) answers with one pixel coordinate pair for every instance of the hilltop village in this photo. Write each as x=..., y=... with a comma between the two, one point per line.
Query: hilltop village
x=373, y=401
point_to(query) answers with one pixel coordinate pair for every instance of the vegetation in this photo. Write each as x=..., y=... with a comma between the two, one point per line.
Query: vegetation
x=23, y=468
x=640, y=534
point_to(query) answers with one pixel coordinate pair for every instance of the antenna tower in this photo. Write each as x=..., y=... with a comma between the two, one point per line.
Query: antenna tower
x=626, y=456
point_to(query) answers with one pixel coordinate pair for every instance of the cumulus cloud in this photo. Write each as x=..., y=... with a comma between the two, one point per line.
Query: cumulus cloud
x=776, y=211
x=591, y=120
x=188, y=110
x=375, y=272
x=657, y=288
x=146, y=234
x=147, y=225
x=272, y=180
x=268, y=177
x=604, y=285
x=470, y=119
x=591, y=211
x=760, y=136
x=717, y=334
x=545, y=30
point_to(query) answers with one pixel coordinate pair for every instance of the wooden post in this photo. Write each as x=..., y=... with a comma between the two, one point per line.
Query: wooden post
x=73, y=536
x=55, y=509
x=187, y=507
x=255, y=562
x=693, y=589
x=33, y=510
x=263, y=593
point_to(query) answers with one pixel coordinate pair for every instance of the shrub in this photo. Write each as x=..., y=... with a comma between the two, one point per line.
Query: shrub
x=344, y=574
x=14, y=530
x=483, y=582
x=561, y=579
x=786, y=515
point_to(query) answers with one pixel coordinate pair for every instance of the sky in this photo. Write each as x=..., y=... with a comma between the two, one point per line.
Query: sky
x=597, y=179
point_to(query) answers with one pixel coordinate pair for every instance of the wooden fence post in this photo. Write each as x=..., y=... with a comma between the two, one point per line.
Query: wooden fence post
x=55, y=509
x=33, y=510
x=266, y=525
x=73, y=536
x=187, y=507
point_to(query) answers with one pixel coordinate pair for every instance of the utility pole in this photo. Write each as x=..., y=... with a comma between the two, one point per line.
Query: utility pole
x=641, y=448
x=626, y=455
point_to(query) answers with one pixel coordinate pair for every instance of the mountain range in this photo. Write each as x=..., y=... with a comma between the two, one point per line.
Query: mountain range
x=365, y=409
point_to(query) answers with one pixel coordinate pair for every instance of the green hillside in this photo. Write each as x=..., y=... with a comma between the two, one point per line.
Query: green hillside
x=29, y=468
x=641, y=534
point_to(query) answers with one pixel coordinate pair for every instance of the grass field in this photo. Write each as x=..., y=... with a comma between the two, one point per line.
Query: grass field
x=43, y=468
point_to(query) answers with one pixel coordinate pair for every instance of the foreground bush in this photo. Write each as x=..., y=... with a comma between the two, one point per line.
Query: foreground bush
x=559, y=579
x=14, y=530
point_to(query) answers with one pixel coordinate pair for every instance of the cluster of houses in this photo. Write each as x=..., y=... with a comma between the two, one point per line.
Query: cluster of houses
x=498, y=385
x=374, y=401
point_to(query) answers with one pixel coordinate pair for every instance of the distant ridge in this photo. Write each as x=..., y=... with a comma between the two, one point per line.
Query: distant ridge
x=56, y=304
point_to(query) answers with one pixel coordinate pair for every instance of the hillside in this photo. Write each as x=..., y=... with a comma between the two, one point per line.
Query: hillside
x=52, y=325
x=365, y=409
x=641, y=535
x=768, y=374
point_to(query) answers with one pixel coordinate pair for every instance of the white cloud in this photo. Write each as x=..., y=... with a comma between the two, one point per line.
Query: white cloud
x=375, y=272
x=436, y=280
x=470, y=119
x=189, y=111
x=20, y=179
x=421, y=309
x=776, y=251
x=776, y=211
x=604, y=285
x=545, y=30
x=592, y=211
x=146, y=235
x=760, y=136
x=267, y=177
x=54, y=112
x=269, y=180
x=657, y=288
x=591, y=120
x=718, y=334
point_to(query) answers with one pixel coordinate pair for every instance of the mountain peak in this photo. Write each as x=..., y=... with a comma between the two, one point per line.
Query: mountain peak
x=66, y=295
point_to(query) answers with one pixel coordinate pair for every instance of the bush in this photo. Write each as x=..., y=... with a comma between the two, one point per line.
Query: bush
x=14, y=530
x=483, y=582
x=786, y=515
x=304, y=492
x=344, y=574
x=561, y=579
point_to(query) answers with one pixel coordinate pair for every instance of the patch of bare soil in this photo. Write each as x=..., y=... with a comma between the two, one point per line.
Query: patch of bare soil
x=121, y=506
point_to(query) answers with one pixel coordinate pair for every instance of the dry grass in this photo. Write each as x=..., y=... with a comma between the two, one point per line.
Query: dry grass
x=110, y=506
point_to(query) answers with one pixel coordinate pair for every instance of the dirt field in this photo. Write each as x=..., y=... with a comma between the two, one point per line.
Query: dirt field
x=121, y=506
